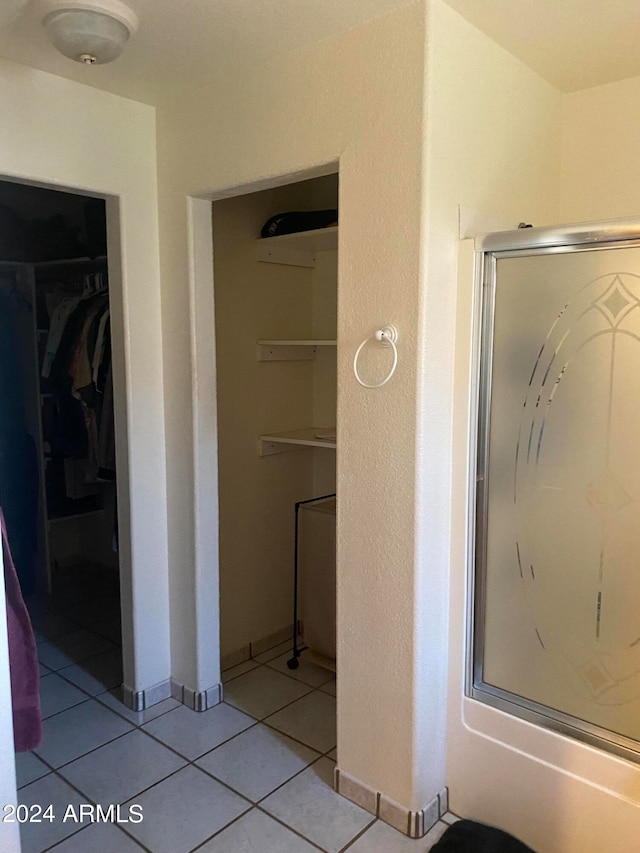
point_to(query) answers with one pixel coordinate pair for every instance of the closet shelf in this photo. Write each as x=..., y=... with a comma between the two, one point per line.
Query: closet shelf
x=295, y=439
x=274, y=350
x=297, y=249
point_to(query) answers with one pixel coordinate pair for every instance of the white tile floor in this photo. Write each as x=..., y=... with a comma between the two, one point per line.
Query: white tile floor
x=252, y=774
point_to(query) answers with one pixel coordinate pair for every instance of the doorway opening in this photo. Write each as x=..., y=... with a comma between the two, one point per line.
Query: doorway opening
x=275, y=271
x=58, y=467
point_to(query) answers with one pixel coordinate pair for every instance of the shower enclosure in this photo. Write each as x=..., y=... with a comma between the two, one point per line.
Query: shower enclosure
x=556, y=522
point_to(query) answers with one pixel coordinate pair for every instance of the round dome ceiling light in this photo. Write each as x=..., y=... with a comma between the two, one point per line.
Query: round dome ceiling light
x=90, y=31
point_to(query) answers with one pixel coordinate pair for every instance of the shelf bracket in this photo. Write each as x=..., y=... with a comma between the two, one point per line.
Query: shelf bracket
x=289, y=257
x=269, y=448
x=274, y=352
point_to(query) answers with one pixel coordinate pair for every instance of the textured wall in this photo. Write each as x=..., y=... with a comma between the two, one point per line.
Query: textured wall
x=600, y=176
x=68, y=135
x=550, y=790
x=358, y=100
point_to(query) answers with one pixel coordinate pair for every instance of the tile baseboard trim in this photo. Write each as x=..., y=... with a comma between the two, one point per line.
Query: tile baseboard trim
x=268, y=642
x=139, y=700
x=234, y=658
x=256, y=647
x=414, y=824
x=197, y=700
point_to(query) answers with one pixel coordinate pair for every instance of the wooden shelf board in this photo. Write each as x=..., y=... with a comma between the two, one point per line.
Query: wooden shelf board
x=297, y=249
x=296, y=439
x=301, y=343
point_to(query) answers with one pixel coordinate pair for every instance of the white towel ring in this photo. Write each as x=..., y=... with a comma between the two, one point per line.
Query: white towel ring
x=387, y=336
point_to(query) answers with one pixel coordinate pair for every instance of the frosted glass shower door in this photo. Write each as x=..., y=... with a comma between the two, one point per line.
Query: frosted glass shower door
x=557, y=596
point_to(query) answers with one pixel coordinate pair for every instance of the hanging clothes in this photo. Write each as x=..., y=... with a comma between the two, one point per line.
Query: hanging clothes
x=78, y=359
x=56, y=328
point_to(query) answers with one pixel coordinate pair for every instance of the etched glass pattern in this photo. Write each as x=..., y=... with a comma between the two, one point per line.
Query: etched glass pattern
x=562, y=576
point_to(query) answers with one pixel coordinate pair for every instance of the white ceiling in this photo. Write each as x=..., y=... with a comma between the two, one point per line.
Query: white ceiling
x=180, y=43
x=574, y=44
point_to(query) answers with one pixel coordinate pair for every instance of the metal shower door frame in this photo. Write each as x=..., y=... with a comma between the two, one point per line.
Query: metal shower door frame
x=489, y=249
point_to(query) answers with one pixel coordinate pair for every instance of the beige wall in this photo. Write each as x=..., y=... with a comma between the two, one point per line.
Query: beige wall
x=600, y=176
x=68, y=135
x=71, y=136
x=541, y=158
x=356, y=99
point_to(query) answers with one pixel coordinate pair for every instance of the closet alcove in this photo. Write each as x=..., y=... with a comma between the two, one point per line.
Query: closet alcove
x=276, y=349
x=57, y=443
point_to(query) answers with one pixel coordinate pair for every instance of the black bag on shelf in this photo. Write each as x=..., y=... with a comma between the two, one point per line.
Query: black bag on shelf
x=298, y=220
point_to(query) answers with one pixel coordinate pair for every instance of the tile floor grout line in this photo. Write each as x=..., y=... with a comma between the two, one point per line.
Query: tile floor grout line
x=198, y=757
x=73, y=684
x=291, y=829
x=271, y=648
x=299, y=680
x=271, y=713
x=282, y=784
x=120, y=714
x=188, y=762
x=221, y=830
x=132, y=799
x=54, y=769
x=52, y=849
x=257, y=802
x=84, y=754
x=297, y=740
x=77, y=686
x=263, y=720
x=137, y=840
x=77, y=661
x=135, y=725
x=139, y=793
x=95, y=696
x=264, y=812
x=288, y=704
x=77, y=626
x=361, y=833
x=86, y=798
x=83, y=828
x=57, y=713
x=192, y=762
x=240, y=674
x=250, y=805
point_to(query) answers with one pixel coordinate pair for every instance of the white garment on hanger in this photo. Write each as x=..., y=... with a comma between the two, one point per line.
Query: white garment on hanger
x=98, y=351
x=56, y=330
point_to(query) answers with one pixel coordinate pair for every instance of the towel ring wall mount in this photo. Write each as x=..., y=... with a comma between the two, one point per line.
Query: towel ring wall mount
x=387, y=337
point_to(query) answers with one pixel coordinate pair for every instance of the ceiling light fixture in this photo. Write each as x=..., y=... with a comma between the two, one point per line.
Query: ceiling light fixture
x=89, y=31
